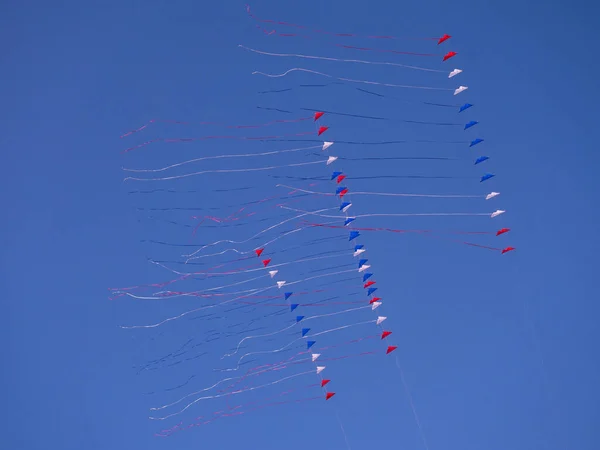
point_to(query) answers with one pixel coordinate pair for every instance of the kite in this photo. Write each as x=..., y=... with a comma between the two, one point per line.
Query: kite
x=260, y=247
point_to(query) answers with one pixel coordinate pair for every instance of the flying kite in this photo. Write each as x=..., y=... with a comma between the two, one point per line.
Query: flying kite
x=272, y=284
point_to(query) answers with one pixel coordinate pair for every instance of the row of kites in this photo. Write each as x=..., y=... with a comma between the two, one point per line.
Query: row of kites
x=268, y=274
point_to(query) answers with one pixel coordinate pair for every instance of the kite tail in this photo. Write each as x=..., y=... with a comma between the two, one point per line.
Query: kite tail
x=181, y=122
x=206, y=138
x=350, y=80
x=331, y=33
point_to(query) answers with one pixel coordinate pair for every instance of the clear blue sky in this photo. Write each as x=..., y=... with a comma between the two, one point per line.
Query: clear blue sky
x=499, y=351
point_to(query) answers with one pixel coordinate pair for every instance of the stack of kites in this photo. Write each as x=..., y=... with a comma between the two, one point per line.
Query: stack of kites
x=250, y=308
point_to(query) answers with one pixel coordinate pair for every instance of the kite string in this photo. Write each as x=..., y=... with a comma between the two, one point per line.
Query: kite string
x=337, y=414
x=412, y=405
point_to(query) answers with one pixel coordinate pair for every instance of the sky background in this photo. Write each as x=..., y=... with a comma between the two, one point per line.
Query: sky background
x=498, y=351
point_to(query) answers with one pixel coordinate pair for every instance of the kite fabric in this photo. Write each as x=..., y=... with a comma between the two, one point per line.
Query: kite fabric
x=263, y=291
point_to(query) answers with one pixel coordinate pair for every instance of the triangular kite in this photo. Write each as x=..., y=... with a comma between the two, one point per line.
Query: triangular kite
x=502, y=231
x=454, y=73
x=322, y=130
x=445, y=37
x=326, y=145
x=470, y=124
x=385, y=334
x=449, y=55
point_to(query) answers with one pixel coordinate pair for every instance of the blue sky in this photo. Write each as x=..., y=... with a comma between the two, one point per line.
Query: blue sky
x=498, y=351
